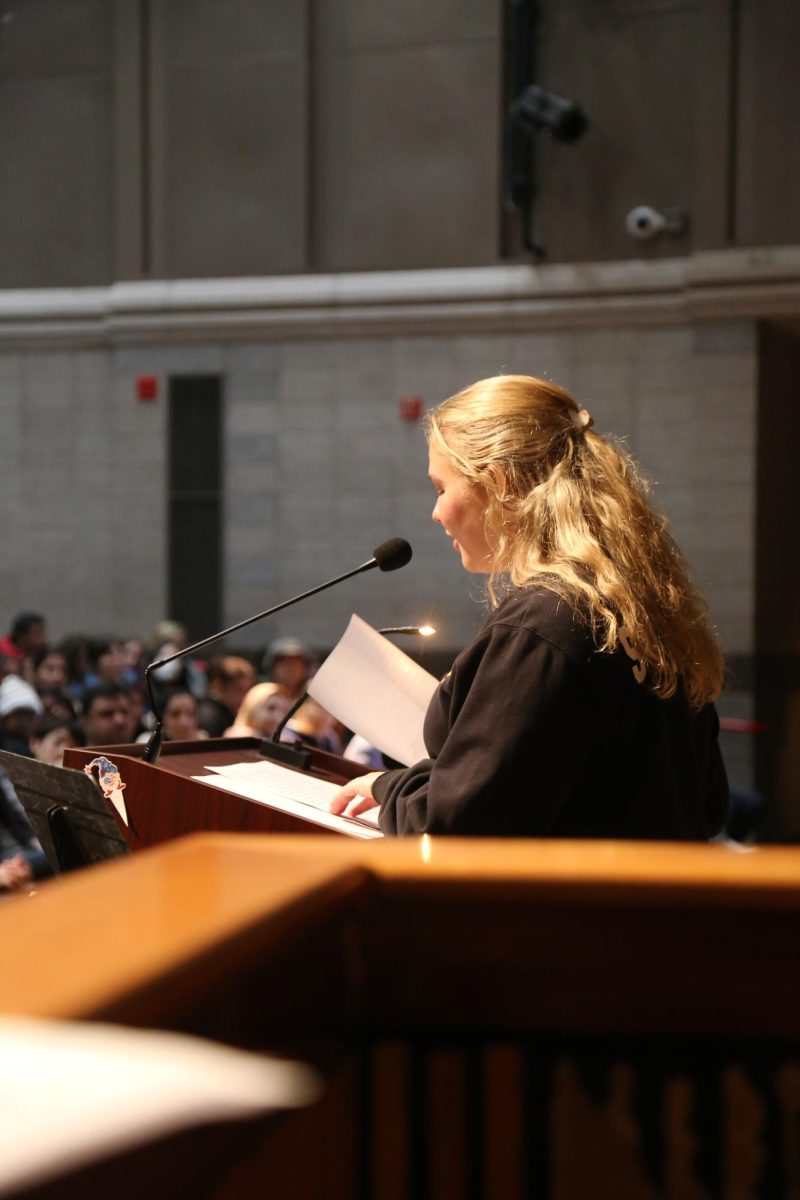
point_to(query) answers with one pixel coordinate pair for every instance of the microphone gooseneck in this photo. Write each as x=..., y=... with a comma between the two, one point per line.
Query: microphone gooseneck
x=391, y=554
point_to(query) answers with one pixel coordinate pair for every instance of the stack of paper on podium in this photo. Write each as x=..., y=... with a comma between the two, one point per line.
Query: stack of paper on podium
x=373, y=688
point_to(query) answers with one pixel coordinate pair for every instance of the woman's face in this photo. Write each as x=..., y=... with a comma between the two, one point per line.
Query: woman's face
x=110, y=664
x=51, y=672
x=460, y=509
x=51, y=747
x=180, y=718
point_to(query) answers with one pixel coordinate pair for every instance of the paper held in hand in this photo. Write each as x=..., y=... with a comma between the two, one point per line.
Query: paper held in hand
x=376, y=690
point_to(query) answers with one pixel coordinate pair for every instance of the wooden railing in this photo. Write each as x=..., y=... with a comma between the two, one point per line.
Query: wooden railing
x=575, y=1019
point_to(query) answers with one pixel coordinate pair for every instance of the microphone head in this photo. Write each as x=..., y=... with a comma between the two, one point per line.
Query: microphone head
x=392, y=554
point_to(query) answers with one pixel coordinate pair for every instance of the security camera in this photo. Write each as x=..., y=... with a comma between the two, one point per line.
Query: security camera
x=539, y=110
x=645, y=223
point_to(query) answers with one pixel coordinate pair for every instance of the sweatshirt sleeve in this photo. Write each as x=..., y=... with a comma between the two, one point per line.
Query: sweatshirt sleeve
x=717, y=791
x=514, y=707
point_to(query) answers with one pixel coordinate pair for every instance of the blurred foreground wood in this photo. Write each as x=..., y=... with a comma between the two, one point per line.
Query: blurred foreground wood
x=566, y=1019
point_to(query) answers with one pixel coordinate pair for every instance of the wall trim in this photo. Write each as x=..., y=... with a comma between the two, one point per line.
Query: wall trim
x=754, y=283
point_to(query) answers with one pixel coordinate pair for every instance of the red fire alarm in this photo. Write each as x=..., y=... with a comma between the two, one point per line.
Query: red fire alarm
x=410, y=408
x=146, y=387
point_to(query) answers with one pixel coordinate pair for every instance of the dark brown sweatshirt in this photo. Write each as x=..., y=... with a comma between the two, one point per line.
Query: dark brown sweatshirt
x=534, y=733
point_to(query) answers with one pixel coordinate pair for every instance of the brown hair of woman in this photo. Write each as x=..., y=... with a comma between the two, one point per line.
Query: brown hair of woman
x=567, y=509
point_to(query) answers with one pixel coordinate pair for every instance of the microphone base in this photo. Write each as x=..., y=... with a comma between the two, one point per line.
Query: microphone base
x=290, y=756
x=153, y=747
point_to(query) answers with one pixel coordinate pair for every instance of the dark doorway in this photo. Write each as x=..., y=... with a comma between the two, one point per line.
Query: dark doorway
x=195, y=502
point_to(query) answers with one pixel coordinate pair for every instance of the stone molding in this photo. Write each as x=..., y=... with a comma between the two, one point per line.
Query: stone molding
x=724, y=284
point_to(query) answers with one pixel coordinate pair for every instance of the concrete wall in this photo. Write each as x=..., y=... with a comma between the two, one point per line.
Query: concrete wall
x=191, y=139
x=319, y=467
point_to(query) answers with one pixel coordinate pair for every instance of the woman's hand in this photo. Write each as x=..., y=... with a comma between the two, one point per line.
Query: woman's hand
x=356, y=796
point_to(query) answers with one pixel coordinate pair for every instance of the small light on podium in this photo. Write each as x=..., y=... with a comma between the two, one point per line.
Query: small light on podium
x=411, y=630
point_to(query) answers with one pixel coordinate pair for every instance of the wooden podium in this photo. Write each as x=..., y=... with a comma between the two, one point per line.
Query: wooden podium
x=494, y=1020
x=164, y=801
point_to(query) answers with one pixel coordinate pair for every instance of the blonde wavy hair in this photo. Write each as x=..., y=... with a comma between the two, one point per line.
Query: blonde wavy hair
x=567, y=509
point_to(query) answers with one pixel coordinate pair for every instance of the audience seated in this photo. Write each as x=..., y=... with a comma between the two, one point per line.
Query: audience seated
x=316, y=727
x=106, y=716
x=27, y=635
x=180, y=673
x=14, y=873
x=57, y=702
x=21, y=856
x=178, y=717
x=167, y=638
x=8, y=666
x=260, y=712
x=229, y=680
x=19, y=708
x=47, y=669
x=51, y=736
x=75, y=649
x=106, y=662
x=359, y=750
x=287, y=663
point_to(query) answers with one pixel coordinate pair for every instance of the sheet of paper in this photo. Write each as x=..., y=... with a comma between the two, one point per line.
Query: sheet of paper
x=288, y=791
x=376, y=690
x=78, y=1092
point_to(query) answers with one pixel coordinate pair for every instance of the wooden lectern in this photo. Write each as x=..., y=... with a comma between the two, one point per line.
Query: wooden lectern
x=164, y=801
x=494, y=1020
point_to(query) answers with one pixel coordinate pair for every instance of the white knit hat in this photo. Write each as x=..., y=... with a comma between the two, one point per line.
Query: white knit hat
x=15, y=693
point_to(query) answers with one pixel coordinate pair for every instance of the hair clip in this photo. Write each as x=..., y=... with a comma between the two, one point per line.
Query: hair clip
x=581, y=419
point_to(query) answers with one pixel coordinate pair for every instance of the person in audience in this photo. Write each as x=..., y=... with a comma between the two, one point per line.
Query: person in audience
x=180, y=673
x=19, y=708
x=14, y=873
x=179, y=717
x=287, y=664
x=229, y=680
x=27, y=635
x=48, y=669
x=22, y=858
x=58, y=703
x=359, y=750
x=167, y=638
x=132, y=655
x=135, y=712
x=165, y=631
x=8, y=666
x=584, y=707
x=49, y=675
x=106, y=715
x=316, y=727
x=106, y=662
x=260, y=712
x=51, y=736
x=75, y=648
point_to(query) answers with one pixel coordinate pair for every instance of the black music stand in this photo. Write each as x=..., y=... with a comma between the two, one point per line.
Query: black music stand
x=67, y=812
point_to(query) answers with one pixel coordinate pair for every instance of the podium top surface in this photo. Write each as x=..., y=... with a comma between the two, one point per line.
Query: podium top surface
x=620, y=933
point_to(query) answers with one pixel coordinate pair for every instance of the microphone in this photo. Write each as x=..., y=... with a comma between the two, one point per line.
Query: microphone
x=389, y=556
